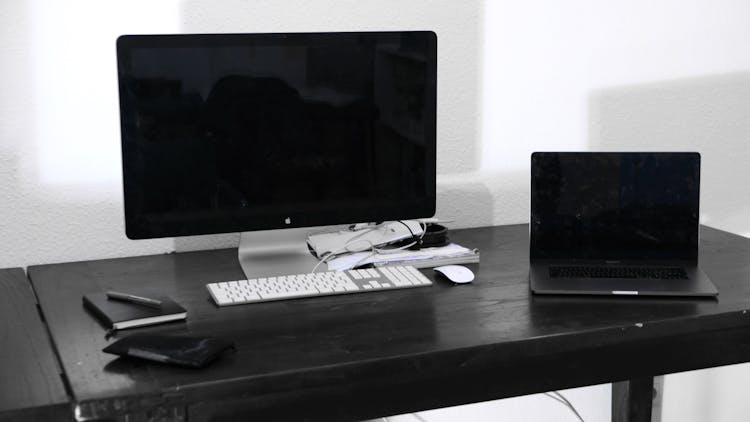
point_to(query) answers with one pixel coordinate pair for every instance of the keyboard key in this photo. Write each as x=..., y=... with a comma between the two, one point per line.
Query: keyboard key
x=287, y=295
x=656, y=273
x=295, y=286
x=251, y=297
x=351, y=287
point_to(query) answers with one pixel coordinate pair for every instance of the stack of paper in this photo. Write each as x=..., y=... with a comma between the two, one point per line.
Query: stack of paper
x=422, y=258
x=363, y=239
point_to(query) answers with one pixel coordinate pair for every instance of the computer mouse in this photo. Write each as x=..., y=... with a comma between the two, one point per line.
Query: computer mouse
x=456, y=273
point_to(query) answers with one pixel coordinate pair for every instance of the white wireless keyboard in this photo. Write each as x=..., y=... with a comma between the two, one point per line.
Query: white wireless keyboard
x=326, y=283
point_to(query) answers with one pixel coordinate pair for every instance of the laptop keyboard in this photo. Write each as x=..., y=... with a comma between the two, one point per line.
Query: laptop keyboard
x=654, y=273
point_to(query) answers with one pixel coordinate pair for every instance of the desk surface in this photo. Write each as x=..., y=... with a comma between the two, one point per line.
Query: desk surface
x=380, y=353
x=30, y=384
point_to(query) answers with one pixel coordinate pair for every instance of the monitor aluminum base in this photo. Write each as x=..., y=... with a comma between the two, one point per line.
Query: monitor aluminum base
x=275, y=252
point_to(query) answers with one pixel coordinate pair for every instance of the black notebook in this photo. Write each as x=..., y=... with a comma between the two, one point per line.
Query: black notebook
x=118, y=315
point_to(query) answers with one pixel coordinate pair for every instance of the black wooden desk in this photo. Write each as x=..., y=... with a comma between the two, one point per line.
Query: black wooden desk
x=366, y=355
x=31, y=388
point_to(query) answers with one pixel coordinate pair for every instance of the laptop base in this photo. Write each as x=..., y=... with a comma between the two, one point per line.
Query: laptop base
x=696, y=284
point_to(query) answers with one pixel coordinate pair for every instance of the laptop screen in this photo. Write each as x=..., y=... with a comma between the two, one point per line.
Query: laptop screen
x=614, y=206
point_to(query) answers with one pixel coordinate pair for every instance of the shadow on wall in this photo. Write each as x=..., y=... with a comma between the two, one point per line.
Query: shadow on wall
x=483, y=198
x=710, y=115
x=213, y=241
x=466, y=202
x=458, y=83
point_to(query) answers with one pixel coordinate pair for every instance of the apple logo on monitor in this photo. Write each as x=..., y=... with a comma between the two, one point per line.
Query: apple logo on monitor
x=288, y=220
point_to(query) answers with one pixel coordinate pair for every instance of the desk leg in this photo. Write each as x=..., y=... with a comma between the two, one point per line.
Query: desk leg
x=632, y=400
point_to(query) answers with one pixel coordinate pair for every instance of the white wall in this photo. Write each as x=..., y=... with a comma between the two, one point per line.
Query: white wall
x=640, y=75
x=514, y=77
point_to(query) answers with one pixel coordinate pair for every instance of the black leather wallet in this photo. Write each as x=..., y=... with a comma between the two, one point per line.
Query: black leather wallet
x=193, y=352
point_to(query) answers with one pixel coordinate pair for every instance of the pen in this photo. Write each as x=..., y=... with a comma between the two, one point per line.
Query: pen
x=140, y=300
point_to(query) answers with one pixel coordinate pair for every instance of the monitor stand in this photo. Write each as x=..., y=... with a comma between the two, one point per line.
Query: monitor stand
x=275, y=252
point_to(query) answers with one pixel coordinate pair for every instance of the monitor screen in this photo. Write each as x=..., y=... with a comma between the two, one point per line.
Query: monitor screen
x=239, y=132
x=615, y=205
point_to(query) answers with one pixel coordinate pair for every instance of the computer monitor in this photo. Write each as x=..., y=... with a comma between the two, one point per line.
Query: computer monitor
x=254, y=132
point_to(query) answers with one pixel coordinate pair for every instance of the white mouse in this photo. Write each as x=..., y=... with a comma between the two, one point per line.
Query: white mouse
x=456, y=273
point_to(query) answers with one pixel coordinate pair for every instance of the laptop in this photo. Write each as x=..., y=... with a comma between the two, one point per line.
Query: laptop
x=616, y=223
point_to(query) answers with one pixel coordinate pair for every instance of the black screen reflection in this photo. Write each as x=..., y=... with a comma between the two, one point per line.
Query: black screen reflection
x=253, y=130
x=615, y=205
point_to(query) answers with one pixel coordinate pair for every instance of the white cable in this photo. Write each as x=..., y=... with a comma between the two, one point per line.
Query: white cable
x=573, y=408
x=356, y=264
x=347, y=248
x=565, y=402
x=421, y=419
x=554, y=397
x=321, y=262
x=423, y=226
x=375, y=250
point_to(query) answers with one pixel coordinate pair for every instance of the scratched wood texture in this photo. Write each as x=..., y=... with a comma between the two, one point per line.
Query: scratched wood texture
x=31, y=388
x=372, y=354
